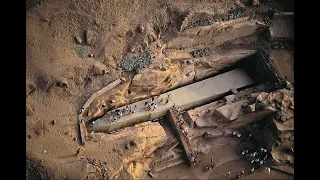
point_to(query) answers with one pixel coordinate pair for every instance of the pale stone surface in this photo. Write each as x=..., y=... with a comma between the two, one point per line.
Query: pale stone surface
x=231, y=111
x=149, y=78
x=146, y=136
x=251, y=108
x=229, y=98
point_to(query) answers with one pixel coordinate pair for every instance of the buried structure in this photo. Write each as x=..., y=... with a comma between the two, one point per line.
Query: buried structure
x=193, y=94
x=245, y=111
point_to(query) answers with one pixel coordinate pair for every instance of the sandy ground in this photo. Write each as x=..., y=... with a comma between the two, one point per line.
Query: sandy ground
x=63, y=81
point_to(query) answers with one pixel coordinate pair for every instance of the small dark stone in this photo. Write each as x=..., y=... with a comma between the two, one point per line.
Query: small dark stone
x=245, y=104
x=62, y=84
x=128, y=145
x=133, y=143
x=53, y=122
x=277, y=116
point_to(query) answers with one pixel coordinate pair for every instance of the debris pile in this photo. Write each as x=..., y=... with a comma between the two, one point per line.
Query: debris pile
x=206, y=22
x=80, y=51
x=136, y=63
x=200, y=52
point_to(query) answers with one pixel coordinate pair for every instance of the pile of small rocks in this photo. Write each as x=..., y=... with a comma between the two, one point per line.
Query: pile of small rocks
x=200, y=52
x=136, y=63
x=234, y=15
x=80, y=51
x=206, y=22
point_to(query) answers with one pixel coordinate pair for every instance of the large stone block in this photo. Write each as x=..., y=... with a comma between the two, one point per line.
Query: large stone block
x=185, y=98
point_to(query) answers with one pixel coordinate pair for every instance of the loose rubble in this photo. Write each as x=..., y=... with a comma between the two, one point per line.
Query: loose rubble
x=136, y=63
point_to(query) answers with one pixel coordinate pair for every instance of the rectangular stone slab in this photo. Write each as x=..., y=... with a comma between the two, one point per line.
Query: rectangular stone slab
x=185, y=98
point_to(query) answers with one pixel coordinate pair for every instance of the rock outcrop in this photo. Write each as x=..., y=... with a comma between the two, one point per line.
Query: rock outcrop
x=218, y=120
x=144, y=139
x=278, y=133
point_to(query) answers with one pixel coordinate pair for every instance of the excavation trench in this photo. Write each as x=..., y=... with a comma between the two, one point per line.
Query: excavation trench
x=246, y=73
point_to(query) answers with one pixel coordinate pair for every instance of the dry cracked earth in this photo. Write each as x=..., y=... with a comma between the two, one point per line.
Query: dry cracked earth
x=86, y=58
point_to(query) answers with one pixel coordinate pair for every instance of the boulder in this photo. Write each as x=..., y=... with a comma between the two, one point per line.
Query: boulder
x=229, y=98
x=231, y=111
x=149, y=78
x=98, y=69
x=147, y=137
x=91, y=38
x=251, y=108
x=135, y=169
x=78, y=40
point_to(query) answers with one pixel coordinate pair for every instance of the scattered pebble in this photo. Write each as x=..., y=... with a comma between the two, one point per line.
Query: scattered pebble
x=45, y=19
x=132, y=49
x=91, y=55
x=140, y=28
x=29, y=110
x=78, y=40
x=62, y=83
x=133, y=143
x=123, y=79
x=45, y=151
x=150, y=174
x=53, y=122
x=92, y=134
x=77, y=152
x=128, y=145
